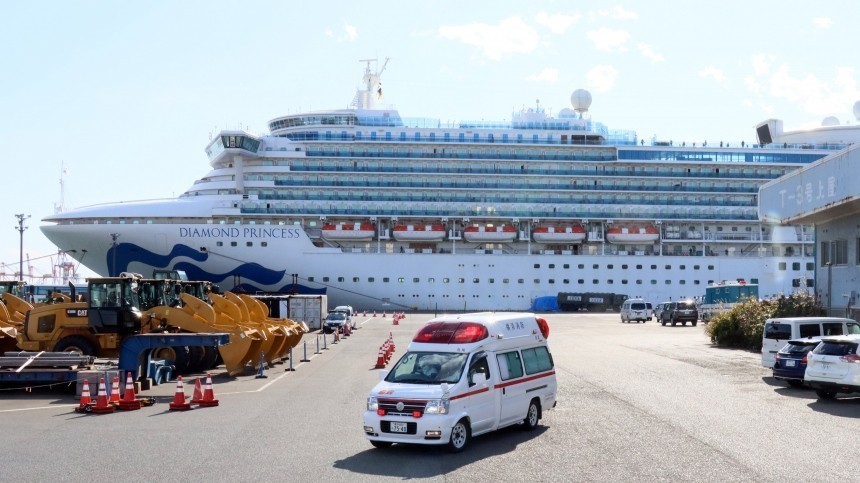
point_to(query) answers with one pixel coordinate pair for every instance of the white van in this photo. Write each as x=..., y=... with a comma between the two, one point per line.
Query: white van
x=778, y=331
x=636, y=309
x=461, y=376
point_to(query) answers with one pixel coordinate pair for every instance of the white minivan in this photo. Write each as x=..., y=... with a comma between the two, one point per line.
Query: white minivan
x=461, y=376
x=636, y=309
x=778, y=331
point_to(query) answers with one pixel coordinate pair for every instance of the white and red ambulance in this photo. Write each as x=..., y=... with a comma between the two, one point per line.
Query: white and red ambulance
x=464, y=375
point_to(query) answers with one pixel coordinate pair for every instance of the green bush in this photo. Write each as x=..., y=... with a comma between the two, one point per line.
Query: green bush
x=742, y=326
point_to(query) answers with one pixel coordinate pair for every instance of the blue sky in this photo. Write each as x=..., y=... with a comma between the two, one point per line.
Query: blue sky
x=127, y=94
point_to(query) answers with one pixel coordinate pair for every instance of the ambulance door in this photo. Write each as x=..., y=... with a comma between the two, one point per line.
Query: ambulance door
x=480, y=400
x=514, y=399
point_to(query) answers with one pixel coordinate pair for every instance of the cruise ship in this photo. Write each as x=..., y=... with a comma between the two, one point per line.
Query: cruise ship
x=384, y=212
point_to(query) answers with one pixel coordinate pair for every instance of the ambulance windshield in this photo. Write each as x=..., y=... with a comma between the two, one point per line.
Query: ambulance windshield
x=428, y=368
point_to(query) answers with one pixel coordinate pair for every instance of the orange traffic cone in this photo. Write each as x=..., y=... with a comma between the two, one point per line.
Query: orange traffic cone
x=383, y=314
x=85, y=397
x=374, y=313
x=208, y=400
x=198, y=392
x=114, y=392
x=179, y=403
x=391, y=341
x=102, y=406
x=380, y=360
x=129, y=401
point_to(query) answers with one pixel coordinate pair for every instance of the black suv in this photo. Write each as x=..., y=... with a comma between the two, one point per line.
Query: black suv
x=683, y=312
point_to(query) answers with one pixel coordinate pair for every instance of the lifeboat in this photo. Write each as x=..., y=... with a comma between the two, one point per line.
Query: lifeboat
x=348, y=231
x=632, y=234
x=559, y=234
x=490, y=233
x=426, y=233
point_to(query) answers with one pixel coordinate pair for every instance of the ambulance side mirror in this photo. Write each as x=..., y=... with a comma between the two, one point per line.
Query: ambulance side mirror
x=479, y=378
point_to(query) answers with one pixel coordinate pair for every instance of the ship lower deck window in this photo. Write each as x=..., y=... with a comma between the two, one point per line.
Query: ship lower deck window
x=639, y=282
x=610, y=281
x=668, y=267
x=325, y=279
x=537, y=265
x=795, y=266
x=610, y=266
x=400, y=279
x=490, y=280
x=624, y=267
x=476, y=280
x=385, y=280
x=638, y=267
x=580, y=266
x=668, y=282
x=782, y=266
x=623, y=281
x=310, y=279
x=595, y=266
x=595, y=281
x=446, y=280
x=566, y=266
x=551, y=265
x=566, y=281
x=580, y=281
x=520, y=280
x=429, y=280
x=264, y=244
x=249, y=244
x=537, y=281
x=461, y=280
x=653, y=282
x=695, y=267
x=233, y=244
x=341, y=279
x=219, y=244
x=696, y=282
x=356, y=280
x=653, y=267
x=506, y=280
x=710, y=267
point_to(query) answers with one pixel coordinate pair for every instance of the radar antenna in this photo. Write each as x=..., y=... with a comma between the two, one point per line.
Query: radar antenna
x=364, y=99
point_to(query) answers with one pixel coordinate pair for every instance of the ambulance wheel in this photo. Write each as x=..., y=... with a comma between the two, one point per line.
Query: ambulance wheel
x=460, y=436
x=532, y=416
x=380, y=444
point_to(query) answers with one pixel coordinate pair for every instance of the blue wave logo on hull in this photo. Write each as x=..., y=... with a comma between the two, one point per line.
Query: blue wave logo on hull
x=120, y=256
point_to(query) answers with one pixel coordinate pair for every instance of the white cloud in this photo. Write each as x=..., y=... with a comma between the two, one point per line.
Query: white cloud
x=602, y=78
x=511, y=35
x=714, y=73
x=814, y=95
x=761, y=63
x=753, y=84
x=546, y=75
x=609, y=39
x=349, y=34
x=557, y=23
x=617, y=12
x=648, y=52
x=822, y=22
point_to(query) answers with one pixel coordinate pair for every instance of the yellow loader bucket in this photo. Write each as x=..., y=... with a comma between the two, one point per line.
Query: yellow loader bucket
x=197, y=316
x=8, y=331
x=258, y=312
x=229, y=314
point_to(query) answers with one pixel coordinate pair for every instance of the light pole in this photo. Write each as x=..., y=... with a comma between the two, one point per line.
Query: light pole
x=21, y=217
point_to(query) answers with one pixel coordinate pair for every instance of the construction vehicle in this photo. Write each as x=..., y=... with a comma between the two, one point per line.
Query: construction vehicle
x=13, y=310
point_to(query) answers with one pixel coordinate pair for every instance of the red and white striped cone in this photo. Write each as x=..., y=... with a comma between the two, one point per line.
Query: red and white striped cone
x=114, y=392
x=380, y=359
x=179, y=403
x=391, y=341
x=102, y=406
x=198, y=392
x=129, y=401
x=85, y=397
x=374, y=313
x=208, y=400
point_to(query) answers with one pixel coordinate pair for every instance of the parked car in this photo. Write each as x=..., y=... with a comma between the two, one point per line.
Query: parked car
x=658, y=310
x=780, y=330
x=635, y=309
x=834, y=366
x=335, y=321
x=683, y=312
x=791, y=360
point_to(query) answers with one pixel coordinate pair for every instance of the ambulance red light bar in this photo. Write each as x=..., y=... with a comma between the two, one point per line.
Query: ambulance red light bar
x=544, y=327
x=451, y=333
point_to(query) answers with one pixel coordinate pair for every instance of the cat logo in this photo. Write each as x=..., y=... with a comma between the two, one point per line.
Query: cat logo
x=76, y=312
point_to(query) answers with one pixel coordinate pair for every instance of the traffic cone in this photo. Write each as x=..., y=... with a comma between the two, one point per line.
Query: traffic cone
x=208, y=400
x=380, y=360
x=102, y=406
x=198, y=392
x=364, y=313
x=374, y=313
x=391, y=341
x=114, y=391
x=179, y=403
x=85, y=397
x=383, y=314
x=129, y=401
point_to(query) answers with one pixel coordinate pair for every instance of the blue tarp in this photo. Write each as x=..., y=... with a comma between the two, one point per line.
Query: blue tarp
x=545, y=304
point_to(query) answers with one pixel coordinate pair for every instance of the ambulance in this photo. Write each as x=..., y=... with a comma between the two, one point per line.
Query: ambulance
x=461, y=376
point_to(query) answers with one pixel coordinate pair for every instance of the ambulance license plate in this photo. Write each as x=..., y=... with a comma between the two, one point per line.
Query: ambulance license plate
x=398, y=427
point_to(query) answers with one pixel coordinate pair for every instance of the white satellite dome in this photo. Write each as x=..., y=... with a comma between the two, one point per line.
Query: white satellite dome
x=580, y=100
x=830, y=121
x=566, y=112
x=857, y=110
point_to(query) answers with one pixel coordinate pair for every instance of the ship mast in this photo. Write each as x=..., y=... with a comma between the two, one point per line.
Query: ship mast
x=61, y=205
x=366, y=98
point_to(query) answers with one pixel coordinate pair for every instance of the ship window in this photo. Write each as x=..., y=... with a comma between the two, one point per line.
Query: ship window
x=506, y=280
x=638, y=267
x=233, y=244
x=668, y=267
x=795, y=266
x=595, y=281
x=341, y=279
x=782, y=266
x=653, y=267
x=385, y=280
x=370, y=279
x=325, y=279
x=653, y=282
x=710, y=282
x=491, y=280
x=580, y=281
x=710, y=267
x=461, y=280
x=624, y=267
x=537, y=281
x=682, y=282
x=356, y=280
x=551, y=265
x=696, y=282
x=219, y=244
x=264, y=244
x=566, y=266
x=519, y=280
x=610, y=266
x=811, y=266
x=695, y=267
x=310, y=279
x=610, y=281
x=552, y=280
x=639, y=282
x=595, y=266
x=754, y=280
x=446, y=280
x=624, y=281
x=580, y=266
x=566, y=281
x=682, y=267
x=537, y=265
x=476, y=280
x=416, y=280
x=249, y=244
x=400, y=279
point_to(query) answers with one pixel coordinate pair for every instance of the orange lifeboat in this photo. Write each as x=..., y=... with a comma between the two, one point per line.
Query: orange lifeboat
x=348, y=231
x=425, y=233
x=632, y=234
x=490, y=233
x=559, y=234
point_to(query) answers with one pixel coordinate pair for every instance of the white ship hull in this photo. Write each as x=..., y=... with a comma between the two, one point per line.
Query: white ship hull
x=289, y=250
